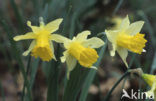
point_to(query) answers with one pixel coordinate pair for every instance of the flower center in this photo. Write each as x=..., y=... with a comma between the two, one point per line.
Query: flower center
x=86, y=56
x=42, y=48
x=134, y=43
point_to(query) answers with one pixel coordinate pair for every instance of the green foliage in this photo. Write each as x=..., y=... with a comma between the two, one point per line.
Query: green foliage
x=78, y=15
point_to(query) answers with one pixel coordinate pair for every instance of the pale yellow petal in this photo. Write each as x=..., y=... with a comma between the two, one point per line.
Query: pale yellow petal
x=32, y=45
x=71, y=63
x=35, y=29
x=125, y=23
x=148, y=78
x=123, y=54
x=82, y=36
x=154, y=84
x=93, y=67
x=58, y=38
x=134, y=28
x=93, y=42
x=29, y=35
x=53, y=25
x=113, y=49
x=64, y=57
x=52, y=48
x=152, y=92
x=112, y=35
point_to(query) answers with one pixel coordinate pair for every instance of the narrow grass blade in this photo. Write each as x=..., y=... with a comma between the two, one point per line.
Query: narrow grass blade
x=34, y=68
x=18, y=15
x=91, y=75
x=27, y=71
x=2, y=92
x=149, y=27
x=153, y=64
x=75, y=83
x=17, y=56
x=52, y=94
x=117, y=7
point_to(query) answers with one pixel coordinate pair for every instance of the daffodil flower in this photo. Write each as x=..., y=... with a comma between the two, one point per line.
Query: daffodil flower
x=117, y=21
x=151, y=81
x=80, y=49
x=127, y=38
x=41, y=46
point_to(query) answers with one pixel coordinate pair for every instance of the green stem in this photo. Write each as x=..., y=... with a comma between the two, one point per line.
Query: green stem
x=27, y=71
x=52, y=94
x=117, y=7
x=116, y=84
x=2, y=92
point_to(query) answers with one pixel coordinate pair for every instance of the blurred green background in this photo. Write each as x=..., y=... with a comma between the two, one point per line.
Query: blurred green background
x=30, y=79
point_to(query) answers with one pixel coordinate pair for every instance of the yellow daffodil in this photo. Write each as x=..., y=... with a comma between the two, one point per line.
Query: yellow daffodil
x=127, y=38
x=117, y=21
x=151, y=81
x=82, y=49
x=41, y=46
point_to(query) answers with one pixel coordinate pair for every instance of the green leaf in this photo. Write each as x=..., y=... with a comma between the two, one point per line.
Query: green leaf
x=91, y=75
x=52, y=94
x=153, y=67
x=34, y=68
x=2, y=92
x=18, y=15
x=75, y=83
x=17, y=56
x=149, y=27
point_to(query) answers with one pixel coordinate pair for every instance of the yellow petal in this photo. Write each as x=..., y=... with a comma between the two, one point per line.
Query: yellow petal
x=52, y=48
x=150, y=94
x=58, y=38
x=112, y=51
x=53, y=25
x=123, y=54
x=117, y=22
x=149, y=79
x=32, y=45
x=154, y=85
x=71, y=63
x=93, y=42
x=35, y=29
x=112, y=35
x=134, y=28
x=82, y=36
x=125, y=23
x=64, y=57
x=29, y=35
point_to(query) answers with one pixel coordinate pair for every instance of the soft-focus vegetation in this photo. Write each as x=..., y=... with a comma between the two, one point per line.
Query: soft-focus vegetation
x=31, y=79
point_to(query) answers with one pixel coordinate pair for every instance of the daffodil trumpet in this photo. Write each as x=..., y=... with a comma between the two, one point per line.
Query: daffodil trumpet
x=80, y=49
x=126, y=37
